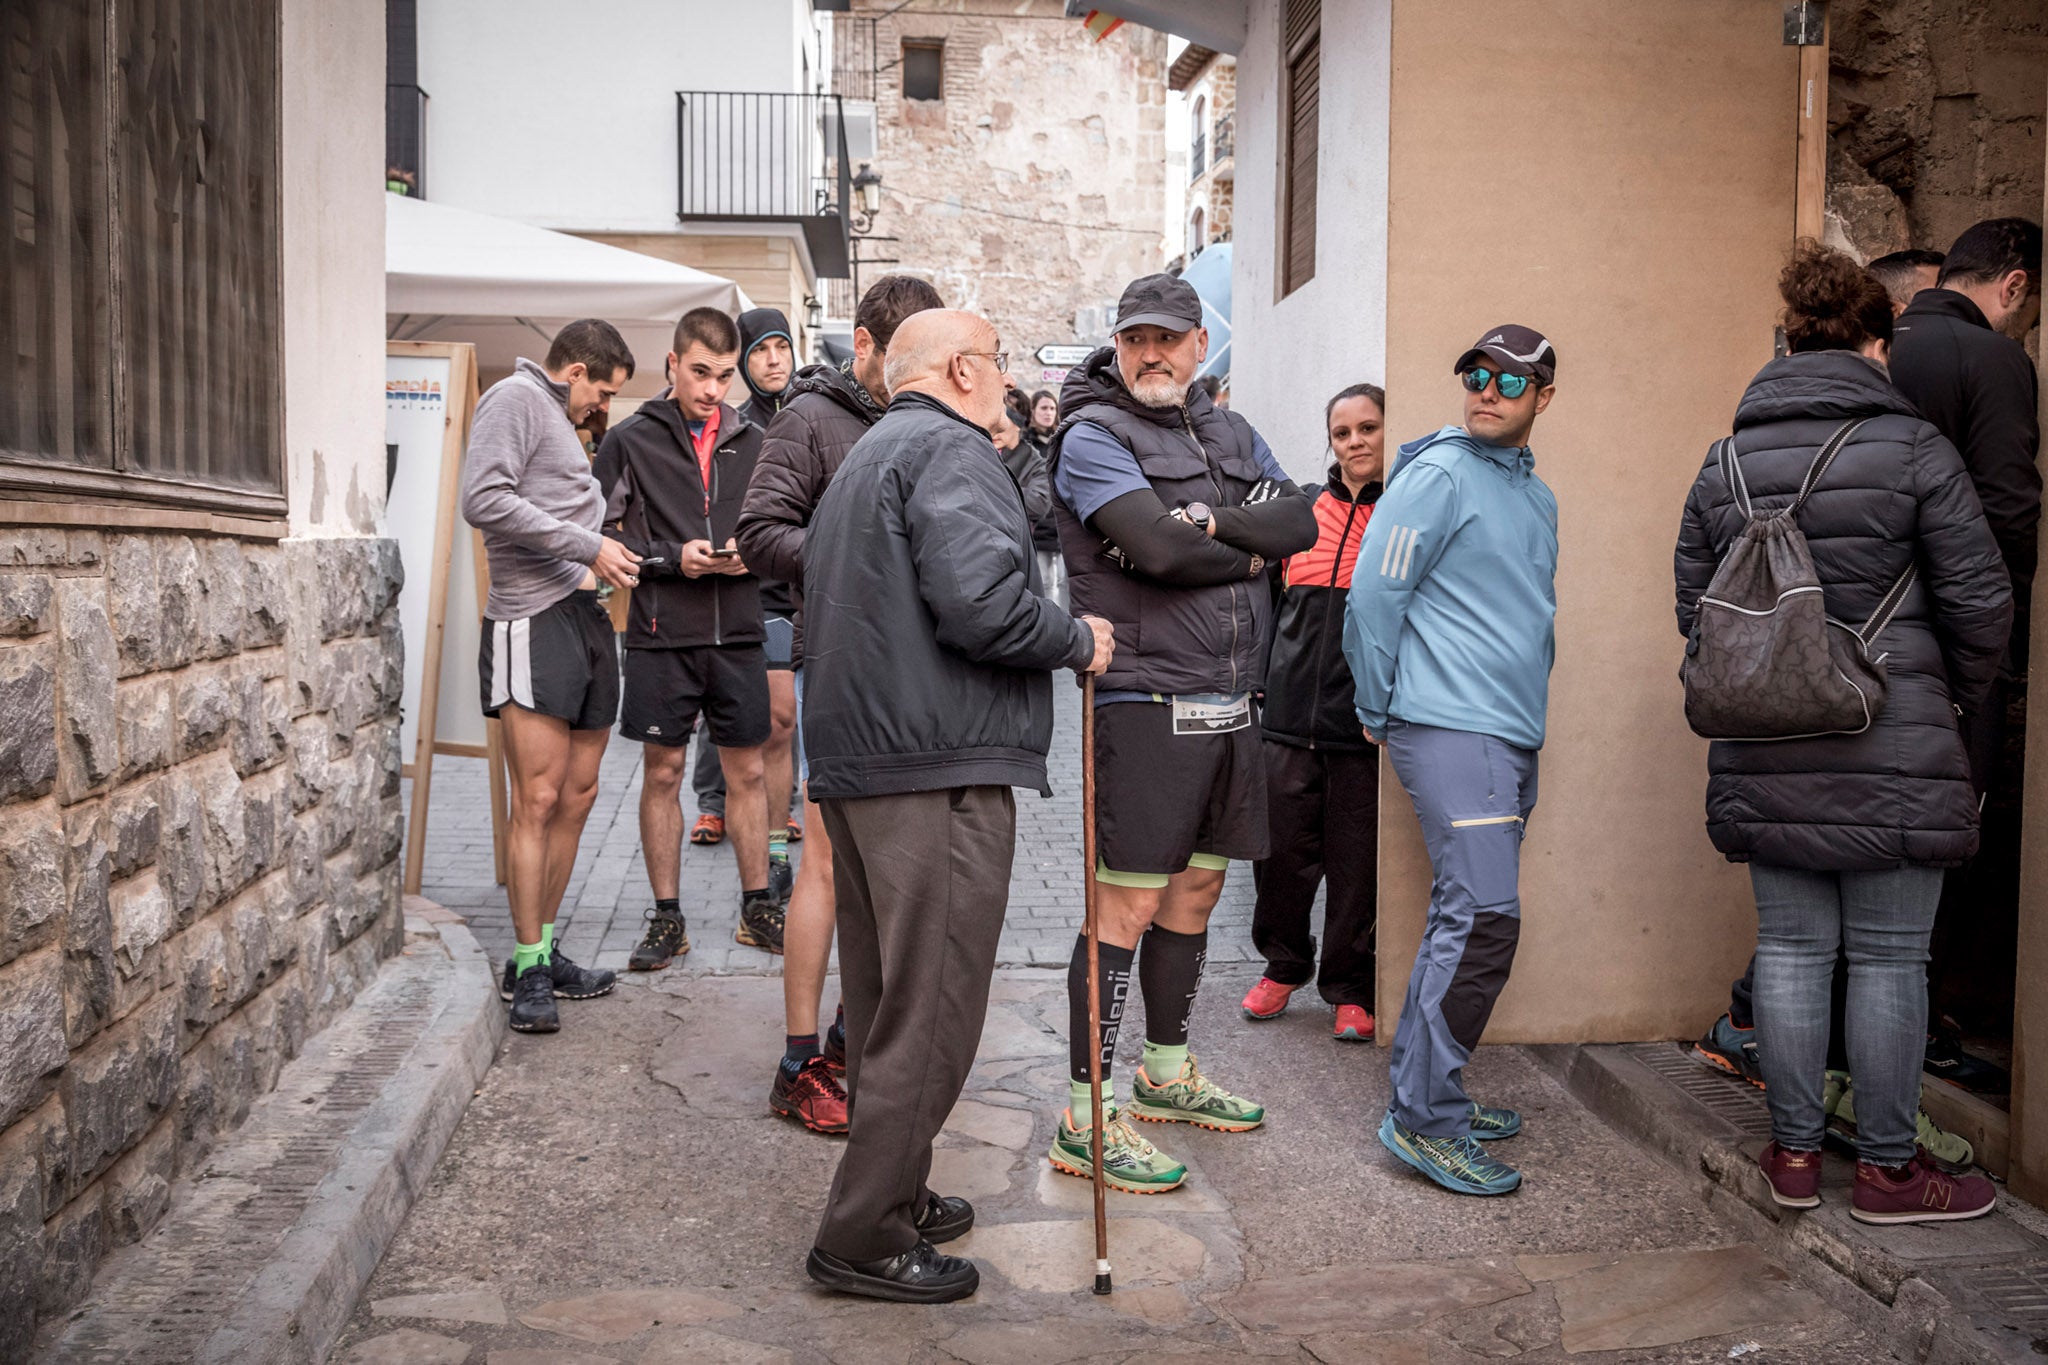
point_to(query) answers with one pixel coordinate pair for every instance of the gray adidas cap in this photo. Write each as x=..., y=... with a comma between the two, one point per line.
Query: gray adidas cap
x=1516, y=349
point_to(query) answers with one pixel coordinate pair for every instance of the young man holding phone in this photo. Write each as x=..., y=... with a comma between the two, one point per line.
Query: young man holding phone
x=674, y=475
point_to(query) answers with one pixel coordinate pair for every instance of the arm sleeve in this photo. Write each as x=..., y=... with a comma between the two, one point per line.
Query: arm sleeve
x=1422, y=510
x=1164, y=548
x=500, y=441
x=1999, y=439
x=1027, y=466
x=1694, y=561
x=785, y=489
x=1279, y=525
x=1964, y=573
x=972, y=577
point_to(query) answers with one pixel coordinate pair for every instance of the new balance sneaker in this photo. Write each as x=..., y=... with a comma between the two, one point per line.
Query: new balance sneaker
x=533, y=1002
x=760, y=923
x=667, y=939
x=1952, y=1153
x=1129, y=1163
x=570, y=981
x=1794, y=1176
x=1489, y=1123
x=813, y=1097
x=1193, y=1098
x=1268, y=999
x=709, y=829
x=1354, y=1024
x=1918, y=1193
x=1730, y=1051
x=919, y=1275
x=944, y=1217
x=1456, y=1163
x=781, y=880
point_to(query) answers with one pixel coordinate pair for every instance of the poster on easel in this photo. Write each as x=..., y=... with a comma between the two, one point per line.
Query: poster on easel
x=430, y=395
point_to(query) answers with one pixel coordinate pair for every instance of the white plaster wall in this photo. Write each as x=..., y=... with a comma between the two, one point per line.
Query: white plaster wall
x=332, y=228
x=1291, y=354
x=565, y=117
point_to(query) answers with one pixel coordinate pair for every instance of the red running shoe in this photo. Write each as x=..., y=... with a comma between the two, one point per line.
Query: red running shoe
x=709, y=829
x=1354, y=1024
x=1268, y=999
x=1918, y=1192
x=796, y=829
x=1794, y=1176
x=813, y=1097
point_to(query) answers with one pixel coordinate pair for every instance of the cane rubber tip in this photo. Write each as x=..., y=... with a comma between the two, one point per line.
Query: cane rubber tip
x=1102, y=1284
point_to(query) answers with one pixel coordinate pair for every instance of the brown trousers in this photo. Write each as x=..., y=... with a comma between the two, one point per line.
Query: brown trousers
x=921, y=882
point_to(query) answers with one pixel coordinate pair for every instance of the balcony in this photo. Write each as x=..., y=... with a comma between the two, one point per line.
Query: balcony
x=1198, y=157
x=761, y=157
x=1223, y=151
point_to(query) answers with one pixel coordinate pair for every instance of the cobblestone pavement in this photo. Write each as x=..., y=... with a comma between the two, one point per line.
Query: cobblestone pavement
x=601, y=916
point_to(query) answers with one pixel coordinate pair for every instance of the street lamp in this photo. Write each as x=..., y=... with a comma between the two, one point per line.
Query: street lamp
x=814, y=312
x=868, y=185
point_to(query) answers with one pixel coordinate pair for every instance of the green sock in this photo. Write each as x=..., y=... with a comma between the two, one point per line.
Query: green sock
x=778, y=845
x=1080, y=1099
x=1163, y=1063
x=526, y=955
x=547, y=942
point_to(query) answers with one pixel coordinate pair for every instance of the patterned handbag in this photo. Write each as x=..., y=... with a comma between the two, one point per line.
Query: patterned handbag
x=1765, y=660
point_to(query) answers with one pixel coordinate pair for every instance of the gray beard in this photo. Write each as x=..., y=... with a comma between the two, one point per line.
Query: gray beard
x=1170, y=396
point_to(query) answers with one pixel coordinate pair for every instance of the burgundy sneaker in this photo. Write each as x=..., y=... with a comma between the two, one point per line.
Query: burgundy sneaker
x=1794, y=1176
x=1918, y=1192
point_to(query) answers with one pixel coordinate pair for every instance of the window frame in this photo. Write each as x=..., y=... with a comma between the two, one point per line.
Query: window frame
x=1301, y=32
x=935, y=46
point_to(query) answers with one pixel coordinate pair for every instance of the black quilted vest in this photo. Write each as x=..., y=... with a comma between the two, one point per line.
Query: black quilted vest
x=1174, y=641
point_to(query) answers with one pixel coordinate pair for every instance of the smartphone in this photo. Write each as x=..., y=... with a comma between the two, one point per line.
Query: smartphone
x=654, y=562
x=721, y=554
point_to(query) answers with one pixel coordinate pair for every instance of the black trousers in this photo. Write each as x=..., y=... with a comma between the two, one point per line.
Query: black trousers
x=921, y=883
x=1323, y=810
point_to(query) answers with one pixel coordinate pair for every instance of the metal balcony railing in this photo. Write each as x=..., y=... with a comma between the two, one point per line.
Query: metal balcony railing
x=853, y=57
x=755, y=156
x=1198, y=162
x=405, y=134
x=1225, y=146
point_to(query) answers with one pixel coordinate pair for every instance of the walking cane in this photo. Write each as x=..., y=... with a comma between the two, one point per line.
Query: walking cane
x=1102, y=1285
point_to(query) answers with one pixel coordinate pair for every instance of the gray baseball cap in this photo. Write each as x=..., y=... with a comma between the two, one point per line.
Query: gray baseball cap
x=1516, y=350
x=1159, y=301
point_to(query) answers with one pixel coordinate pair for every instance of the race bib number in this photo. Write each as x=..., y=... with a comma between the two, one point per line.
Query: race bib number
x=1211, y=718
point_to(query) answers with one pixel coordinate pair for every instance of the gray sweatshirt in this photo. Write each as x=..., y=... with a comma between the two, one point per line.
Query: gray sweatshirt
x=527, y=485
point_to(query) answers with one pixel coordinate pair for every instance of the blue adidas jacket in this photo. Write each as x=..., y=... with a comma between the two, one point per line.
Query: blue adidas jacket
x=1450, y=617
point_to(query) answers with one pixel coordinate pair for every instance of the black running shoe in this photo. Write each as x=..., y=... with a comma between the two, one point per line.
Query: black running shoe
x=533, y=1002
x=1946, y=1059
x=760, y=922
x=571, y=981
x=835, y=1048
x=919, y=1275
x=781, y=880
x=667, y=939
x=944, y=1217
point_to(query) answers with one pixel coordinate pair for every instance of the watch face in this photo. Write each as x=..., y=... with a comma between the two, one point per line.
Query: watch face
x=1199, y=512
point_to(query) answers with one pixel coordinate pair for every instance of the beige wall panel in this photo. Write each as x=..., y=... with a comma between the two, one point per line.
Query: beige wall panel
x=1619, y=176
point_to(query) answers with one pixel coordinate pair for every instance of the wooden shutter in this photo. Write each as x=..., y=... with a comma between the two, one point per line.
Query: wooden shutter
x=1304, y=64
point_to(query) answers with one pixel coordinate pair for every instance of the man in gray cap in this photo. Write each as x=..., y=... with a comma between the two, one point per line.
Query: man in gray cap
x=1170, y=511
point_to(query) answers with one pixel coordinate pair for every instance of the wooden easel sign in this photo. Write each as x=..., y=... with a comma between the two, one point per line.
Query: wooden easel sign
x=430, y=395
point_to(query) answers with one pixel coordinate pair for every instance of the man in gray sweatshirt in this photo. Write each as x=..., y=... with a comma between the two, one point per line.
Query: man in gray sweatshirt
x=548, y=664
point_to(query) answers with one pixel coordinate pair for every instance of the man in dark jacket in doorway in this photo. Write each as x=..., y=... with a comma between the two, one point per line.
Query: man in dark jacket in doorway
x=928, y=697
x=826, y=412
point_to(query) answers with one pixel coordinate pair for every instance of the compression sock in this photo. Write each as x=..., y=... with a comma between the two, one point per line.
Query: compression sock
x=1113, y=972
x=778, y=845
x=798, y=1048
x=1169, y=975
x=526, y=955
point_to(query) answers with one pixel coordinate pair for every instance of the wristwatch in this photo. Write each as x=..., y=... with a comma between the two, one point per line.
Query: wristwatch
x=1199, y=516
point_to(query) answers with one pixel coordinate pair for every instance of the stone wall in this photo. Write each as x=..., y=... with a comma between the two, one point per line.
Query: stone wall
x=199, y=835
x=1036, y=187
x=1211, y=192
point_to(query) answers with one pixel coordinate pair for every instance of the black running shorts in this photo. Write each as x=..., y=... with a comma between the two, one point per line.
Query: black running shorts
x=667, y=689
x=1161, y=798
x=563, y=661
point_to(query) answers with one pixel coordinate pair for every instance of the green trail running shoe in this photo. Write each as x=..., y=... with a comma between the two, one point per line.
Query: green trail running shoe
x=1456, y=1163
x=1193, y=1098
x=1129, y=1163
x=1490, y=1123
x=1945, y=1149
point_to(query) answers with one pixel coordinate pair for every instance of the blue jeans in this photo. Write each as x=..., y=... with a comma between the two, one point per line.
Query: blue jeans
x=1881, y=921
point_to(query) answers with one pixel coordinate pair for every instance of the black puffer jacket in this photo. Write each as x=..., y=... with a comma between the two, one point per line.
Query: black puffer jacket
x=826, y=411
x=1311, y=701
x=930, y=664
x=1900, y=791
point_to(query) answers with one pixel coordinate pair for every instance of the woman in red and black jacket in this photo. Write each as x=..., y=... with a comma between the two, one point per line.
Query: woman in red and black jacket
x=1322, y=776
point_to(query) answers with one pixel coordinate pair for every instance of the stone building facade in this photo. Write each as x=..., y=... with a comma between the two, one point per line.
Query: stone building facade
x=1206, y=85
x=1032, y=189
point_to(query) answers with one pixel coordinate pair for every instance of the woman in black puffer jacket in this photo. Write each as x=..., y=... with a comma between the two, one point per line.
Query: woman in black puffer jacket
x=1846, y=835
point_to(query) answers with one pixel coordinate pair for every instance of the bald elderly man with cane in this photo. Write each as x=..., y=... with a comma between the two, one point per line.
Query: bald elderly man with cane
x=927, y=697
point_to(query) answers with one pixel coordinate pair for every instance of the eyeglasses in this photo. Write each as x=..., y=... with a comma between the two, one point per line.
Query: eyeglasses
x=1511, y=385
x=1001, y=359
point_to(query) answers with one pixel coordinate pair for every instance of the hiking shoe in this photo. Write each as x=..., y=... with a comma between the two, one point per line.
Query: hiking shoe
x=781, y=880
x=1918, y=1193
x=813, y=1097
x=709, y=829
x=533, y=1002
x=1354, y=1024
x=1945, y=1149
x=1268, y=999
x=796, y=829
x=1129, y=1163
x=1490, y=1124
x=1193, y=1098
x=1794, y=1176
x=667, y=939
x=1730, y=1051
x=919, y=1275
x=571, y=982
x=1945, y=1058
x=1456, y=1163
x=760, y=923
x=944, y=1217
x=835, y=1049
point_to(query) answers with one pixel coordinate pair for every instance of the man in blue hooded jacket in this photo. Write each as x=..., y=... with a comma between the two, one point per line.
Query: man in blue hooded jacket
x=1449, y=636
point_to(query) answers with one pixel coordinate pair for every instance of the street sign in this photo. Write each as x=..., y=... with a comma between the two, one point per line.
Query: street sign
x=1063, y=357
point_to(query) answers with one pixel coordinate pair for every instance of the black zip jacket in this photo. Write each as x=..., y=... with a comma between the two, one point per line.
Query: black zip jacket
x=655, y=499
x=1310, y=701
x=931, y=650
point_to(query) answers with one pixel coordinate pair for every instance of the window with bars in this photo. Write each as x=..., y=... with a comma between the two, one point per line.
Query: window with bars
x=1301, y=73
x=139, y=272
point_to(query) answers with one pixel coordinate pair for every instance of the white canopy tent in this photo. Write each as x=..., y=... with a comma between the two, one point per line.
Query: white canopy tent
x=506, y=288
